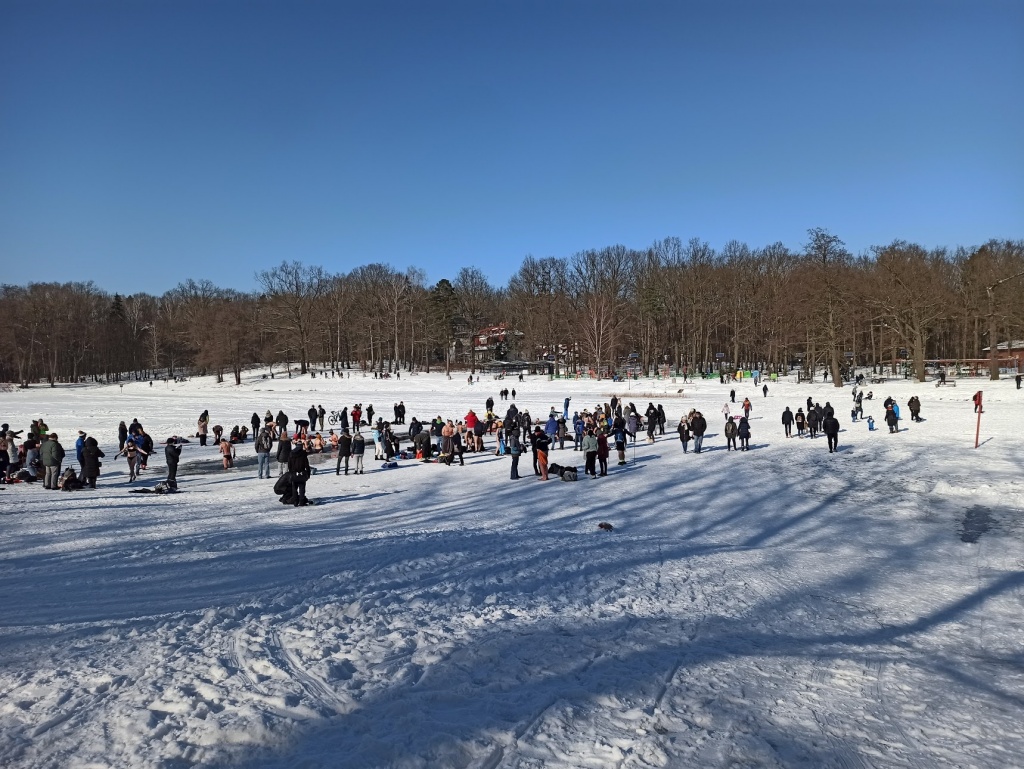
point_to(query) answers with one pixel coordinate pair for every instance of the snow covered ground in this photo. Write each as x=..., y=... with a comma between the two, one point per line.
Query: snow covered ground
x=778, y=608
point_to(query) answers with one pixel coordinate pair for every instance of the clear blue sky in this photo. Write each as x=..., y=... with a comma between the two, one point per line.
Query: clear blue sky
x=143, y=143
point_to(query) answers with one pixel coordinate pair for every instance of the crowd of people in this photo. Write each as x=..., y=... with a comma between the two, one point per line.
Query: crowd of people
x=595, y=432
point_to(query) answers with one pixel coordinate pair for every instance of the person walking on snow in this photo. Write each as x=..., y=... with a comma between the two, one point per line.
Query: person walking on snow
x=830, y=426
x=730, y=435
x=787, y=422
x=684, y=434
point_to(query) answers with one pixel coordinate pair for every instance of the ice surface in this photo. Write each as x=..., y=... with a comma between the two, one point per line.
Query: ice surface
x=782, y=607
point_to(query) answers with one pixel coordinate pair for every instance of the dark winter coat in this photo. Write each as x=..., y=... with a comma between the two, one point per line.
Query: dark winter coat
x=698, y=425
x=422, y=443
x=172, y=454
x=830, y=426
x=787, y=417
x=284, y=449
x=345, y=446
x=743, y=429
x=730, y=429
x=358, y=445
x=264, y=443
x=684, y=431
x=298, y=464
x=91, y=455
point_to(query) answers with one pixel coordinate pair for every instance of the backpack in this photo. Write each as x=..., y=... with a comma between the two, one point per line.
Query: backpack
x=570, y=474
x=69, y=481
x=264, y=443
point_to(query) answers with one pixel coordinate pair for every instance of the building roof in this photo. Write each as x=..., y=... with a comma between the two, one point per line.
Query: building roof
x=1017, y=344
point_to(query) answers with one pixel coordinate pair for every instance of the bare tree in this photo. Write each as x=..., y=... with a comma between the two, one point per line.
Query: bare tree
x=293, y=291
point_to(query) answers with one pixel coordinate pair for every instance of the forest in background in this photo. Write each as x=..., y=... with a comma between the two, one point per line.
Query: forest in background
x=674, y=304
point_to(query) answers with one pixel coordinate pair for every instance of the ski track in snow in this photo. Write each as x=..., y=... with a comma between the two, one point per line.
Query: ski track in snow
x=777, y=608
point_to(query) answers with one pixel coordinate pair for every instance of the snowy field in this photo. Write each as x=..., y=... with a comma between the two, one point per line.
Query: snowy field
x=778, y=608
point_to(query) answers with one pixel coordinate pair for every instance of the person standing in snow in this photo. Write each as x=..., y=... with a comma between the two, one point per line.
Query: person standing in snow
x=698, y=426
x=830, y=426
x=131, y=452
x=52, y=455
x=284, y=450
x=254, y=421
x=227, y=453
x=515, y=449
x=765, y=391
x=602, y=453
x=747, y=407
x=344, y=452
x=203, y=426
x=801, y=423
x=91, y=455
x=79, y=445
x=321, y=412
x=590, y=453
x=541, y=444
x=743, y=433
x=264, y=444
x=892, y=419
x=684, y=434
x=358, y=449
x=172, y=453
x=730, y=434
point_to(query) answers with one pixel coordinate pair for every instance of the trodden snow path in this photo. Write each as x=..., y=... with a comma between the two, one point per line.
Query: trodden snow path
x=779, y=608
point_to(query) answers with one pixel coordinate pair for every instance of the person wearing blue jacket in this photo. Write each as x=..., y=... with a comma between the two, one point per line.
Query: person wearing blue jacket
x=551, y=428
x=578, y=427
x=79, y=446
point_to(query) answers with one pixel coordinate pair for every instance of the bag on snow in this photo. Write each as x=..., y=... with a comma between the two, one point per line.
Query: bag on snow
x=569, y=474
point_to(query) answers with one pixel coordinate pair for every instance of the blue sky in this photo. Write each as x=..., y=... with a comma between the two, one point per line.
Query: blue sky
x=143, y=143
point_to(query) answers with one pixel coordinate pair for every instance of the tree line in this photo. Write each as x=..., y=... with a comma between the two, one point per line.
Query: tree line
x=672, y=305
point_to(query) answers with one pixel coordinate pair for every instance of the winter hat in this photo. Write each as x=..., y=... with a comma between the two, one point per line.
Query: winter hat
x=81, y=432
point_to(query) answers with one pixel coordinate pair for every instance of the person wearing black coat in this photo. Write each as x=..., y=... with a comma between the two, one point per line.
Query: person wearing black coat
x=830, y=426
x=661, y=419
x=698, y=426
x=172, y=453
x=255, y=422
x=813, y=420
x=91, y=455
x=730, y=434
x=282, y=424
x=299, y=470
x=344, y=452
x=284, y=451
x=684, y=434
x=312, y=414
x=421, y=445
x=787, y=422
x=743, y=433
x=122, y=435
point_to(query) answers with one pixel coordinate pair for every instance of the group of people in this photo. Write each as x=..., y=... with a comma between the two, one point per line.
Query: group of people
x=594, y=432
